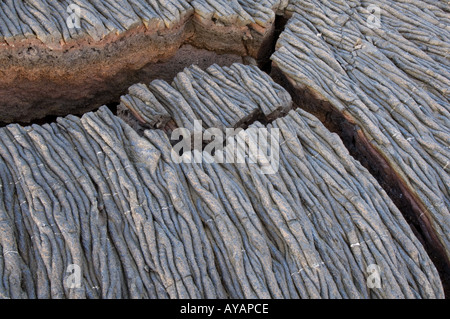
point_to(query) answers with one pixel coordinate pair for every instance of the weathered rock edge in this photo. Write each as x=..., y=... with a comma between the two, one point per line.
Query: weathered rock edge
x=385, y=91
x=48, y=72
x=90, y=191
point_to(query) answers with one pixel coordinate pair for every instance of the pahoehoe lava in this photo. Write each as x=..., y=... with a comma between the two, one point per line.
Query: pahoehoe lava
x=362, y=113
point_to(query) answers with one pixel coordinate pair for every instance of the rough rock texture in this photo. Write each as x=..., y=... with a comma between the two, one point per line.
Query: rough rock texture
x=386, y=92
x=221, y=97
x=103, y=192
x=90, y=191
x=47, y=68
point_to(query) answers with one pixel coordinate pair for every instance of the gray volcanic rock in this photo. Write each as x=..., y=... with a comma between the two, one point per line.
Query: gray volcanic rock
x=46, y=20
x=99, y=206
x=90, y=191
x=220, y=97
x=390, y=93
x=48, y=68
